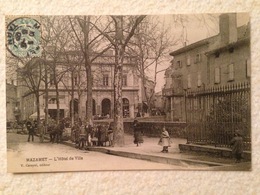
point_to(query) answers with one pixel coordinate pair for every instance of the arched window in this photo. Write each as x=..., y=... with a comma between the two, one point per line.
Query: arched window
x=106, y=107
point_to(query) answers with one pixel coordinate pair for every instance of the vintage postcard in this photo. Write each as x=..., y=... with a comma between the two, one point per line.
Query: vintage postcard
x=136, y=92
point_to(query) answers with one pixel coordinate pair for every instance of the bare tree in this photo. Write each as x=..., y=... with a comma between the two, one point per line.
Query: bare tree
x=123, y=30
x=151, y=45
x=183, y=22
x=89, y=43
x=72, y=80
x=31, y=76
x=56, y=38
x=28, y=73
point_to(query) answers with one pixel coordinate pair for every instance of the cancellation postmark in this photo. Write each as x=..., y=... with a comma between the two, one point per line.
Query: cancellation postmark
x=23, y=37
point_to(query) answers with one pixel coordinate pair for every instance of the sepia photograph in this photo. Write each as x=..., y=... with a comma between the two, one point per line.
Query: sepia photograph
x=128, y=92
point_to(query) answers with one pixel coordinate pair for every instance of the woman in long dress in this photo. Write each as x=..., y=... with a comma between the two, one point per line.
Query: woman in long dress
x=138, y=138
x=165, y=140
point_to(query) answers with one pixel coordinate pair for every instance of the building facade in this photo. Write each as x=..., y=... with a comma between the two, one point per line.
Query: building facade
x=75, y=85
x=12, y=107
x=217, y=61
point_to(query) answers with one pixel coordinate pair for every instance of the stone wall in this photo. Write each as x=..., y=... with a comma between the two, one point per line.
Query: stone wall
x=211, y=151
x=153, y=129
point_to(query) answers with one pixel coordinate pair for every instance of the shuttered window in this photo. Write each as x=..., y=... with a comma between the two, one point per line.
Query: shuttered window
x=199, y=79
x=231, y=74
x=189, y=81
x=217, y=75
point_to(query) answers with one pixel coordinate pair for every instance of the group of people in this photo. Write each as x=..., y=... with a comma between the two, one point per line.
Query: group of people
x=98, y=135
x=54, y=130
x=92, y=135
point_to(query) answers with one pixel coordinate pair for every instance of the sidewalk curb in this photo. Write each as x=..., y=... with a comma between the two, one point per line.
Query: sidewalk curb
x=205, y=165
x=152, y=158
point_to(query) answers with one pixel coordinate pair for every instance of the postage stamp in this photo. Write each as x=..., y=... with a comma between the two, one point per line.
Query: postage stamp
x=23, y=37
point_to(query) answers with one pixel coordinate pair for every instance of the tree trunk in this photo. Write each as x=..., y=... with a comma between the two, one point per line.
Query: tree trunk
x=37, y=95
x=118, y=103
x=79, y=106
x=46, y=98
x=89, y=96
x=88, y=70
x=72, y=99
x=57, y=96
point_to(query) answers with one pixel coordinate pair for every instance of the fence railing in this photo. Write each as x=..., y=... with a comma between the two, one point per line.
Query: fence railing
x=214, y=114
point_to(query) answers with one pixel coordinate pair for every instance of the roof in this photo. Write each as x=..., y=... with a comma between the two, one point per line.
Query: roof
x=191, y=46
x=243, y=33
x=228, y=46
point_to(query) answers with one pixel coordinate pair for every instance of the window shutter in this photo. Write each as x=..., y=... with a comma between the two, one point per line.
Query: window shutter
x=231, y=72
x=188, y=60
x=199, y=79
x=189, y=81
x=217, y=75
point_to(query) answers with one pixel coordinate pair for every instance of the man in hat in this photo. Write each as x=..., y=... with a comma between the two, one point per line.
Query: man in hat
x=30, y=129
x=237, y=146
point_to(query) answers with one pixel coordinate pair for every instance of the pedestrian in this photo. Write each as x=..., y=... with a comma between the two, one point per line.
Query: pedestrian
x=88, y=130
x=59, y=131
x=30, y=129
x=52, y=131
x=165, y=140
x=103, y=135
x=138, y=138
x=94, y=136
x=99, y=133
x=110, y=135
x=41, y=130
x=237, y=146
x=82, y=137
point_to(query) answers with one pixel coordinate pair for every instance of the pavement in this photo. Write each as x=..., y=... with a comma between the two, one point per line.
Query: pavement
x=151, y=151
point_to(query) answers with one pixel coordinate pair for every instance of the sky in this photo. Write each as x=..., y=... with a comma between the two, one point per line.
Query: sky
x=193, y=28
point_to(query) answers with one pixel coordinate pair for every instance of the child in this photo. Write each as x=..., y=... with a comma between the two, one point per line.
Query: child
x=237, y=146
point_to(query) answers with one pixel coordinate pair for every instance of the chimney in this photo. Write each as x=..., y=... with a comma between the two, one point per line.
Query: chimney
x=228, y=28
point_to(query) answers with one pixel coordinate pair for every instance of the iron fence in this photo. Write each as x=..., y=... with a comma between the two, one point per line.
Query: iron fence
x=214, y=114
